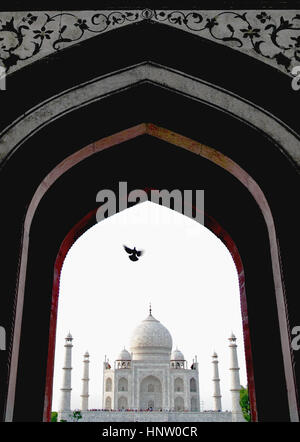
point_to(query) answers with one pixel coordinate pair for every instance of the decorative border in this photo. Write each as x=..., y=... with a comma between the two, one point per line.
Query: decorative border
x=245, y=32
x=272, y=36
x=25, y=35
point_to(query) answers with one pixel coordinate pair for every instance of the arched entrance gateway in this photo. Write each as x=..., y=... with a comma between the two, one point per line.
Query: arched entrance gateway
x=151, y=393
x=184, y=125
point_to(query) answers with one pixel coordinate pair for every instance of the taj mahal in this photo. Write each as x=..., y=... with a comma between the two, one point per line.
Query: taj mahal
x=151, y=382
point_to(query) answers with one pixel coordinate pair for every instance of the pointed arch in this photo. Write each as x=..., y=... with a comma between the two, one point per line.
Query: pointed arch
x=123, y=384
x=179, y=403
x=194, y=404
x=193, y=385
x=108, y=403
x=108, y=384
x=281, y=307
x=122, y=403
x=150, y=391
x=178, y=384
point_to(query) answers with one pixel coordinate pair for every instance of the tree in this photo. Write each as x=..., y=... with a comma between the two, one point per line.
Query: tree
x=245, y=403
x=54, y=416
x=76, y=415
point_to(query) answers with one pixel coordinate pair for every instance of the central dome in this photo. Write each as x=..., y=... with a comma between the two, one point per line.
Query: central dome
x=151, y=341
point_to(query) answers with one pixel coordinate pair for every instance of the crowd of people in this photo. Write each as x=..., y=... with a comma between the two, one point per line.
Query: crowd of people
x=146, y=410
x=131, y=409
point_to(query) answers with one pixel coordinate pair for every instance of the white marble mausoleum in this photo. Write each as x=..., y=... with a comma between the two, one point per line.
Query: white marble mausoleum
x=151, y=376
x=150, y=382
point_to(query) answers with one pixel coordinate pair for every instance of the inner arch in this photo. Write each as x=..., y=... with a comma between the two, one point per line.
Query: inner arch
x=178, y=140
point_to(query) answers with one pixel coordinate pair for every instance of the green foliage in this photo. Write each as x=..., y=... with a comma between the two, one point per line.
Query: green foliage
x=54, y=416
x=245, y=403
x=76, y=415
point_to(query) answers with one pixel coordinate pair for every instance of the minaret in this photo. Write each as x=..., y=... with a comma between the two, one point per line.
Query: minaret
x=237, y=415
x=65, y=402
x=196, y=365
x=85, y=383
x=216, y=380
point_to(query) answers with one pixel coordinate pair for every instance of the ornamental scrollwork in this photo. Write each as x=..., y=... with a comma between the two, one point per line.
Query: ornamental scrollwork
x=270, y=35
x=237, y=27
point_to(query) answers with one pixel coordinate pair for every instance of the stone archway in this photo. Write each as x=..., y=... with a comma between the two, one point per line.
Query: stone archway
x=108, y=384
x=247, y=156
x=122, y=403
x=150, y=392
x=194, y=406
x=89, y=220
x=188, y=144
x=193, y=385
x=108, y=403
x=178, y=384
x=241, y=275
x=179, y=403
x=123, y=384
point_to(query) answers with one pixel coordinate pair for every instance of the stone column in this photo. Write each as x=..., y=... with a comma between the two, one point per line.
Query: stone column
x=65, y=401
x=217, y=405
x=237, y=415
x=85, y=383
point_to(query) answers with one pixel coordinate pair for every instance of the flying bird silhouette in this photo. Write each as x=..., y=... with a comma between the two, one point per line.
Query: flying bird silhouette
x=133, y=253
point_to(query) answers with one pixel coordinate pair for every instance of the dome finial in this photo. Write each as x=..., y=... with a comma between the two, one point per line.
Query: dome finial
x=150, y=309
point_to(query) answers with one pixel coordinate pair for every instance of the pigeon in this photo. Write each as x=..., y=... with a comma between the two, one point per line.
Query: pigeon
x=133, y=253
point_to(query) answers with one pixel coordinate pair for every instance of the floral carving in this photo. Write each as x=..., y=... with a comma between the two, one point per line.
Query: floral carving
x=274, y=37
x=263, y=17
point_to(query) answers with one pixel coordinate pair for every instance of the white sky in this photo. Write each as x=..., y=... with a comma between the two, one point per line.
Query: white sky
x=186, y=273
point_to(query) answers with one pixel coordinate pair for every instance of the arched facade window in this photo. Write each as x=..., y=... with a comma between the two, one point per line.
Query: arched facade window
x=150, y=388
x=151, y=404
x=178, y=384
x=194, y=406
x=108, y=403
x=123, y=384
x=193, y=385
x=179, y=403
x=122, y=403
x=108, y=384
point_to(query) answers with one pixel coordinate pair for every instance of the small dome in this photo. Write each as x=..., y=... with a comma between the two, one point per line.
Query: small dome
x=151, y=341
x=86, y=354
x=177, y=355
x=214, y=355
x=124, y=355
